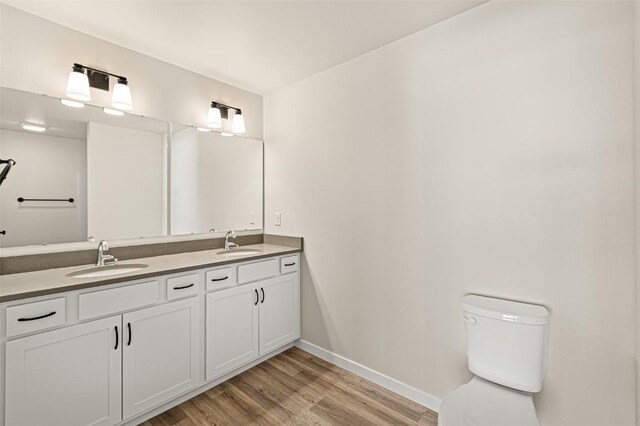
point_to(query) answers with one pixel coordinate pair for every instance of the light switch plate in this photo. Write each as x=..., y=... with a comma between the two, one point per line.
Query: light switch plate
x=278, y=219
x=252, y=218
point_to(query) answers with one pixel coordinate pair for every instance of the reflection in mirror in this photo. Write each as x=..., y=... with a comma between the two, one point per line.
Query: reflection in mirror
x=216, y=182
x=113, y=167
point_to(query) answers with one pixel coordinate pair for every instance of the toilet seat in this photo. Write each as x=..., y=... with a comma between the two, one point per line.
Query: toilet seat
x=482, y=403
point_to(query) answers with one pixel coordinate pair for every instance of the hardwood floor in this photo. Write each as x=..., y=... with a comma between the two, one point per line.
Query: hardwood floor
x=296, y=388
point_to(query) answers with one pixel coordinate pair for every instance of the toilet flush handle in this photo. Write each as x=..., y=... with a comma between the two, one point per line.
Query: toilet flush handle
x=470, y=319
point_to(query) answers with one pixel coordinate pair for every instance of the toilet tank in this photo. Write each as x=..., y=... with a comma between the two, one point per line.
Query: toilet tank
x=506, y=341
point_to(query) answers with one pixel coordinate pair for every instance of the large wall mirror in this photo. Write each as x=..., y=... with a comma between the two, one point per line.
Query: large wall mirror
x=216, y=182
x=84, y=174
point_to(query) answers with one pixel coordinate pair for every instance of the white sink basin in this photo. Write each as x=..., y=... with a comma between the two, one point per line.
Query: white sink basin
x=239, y=252
x=104, y=271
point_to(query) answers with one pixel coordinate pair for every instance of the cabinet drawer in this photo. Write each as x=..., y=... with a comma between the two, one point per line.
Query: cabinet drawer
x=105, y=302
x=35, y=316
x=257, y=271
x=288, y=264
x=185, y=285
x=220, y=278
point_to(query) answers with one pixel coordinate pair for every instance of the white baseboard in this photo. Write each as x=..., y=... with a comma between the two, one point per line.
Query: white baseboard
x=402, y=389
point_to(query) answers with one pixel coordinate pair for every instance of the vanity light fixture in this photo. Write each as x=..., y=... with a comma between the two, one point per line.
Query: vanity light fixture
x=203, y=129
x=78, y=84
x=214, y=118
x=237, y=125
x=32, y=127
x=82, y=77
x=115, y=112
x=72, y=104
x=226, y=134
x=218, y=111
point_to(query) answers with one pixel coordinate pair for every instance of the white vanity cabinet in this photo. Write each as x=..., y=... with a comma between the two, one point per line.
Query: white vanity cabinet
x=251, y=319
x=279, y=312
x=159, y=354
x=116, y=354
x=232, y=329
x=70, y=376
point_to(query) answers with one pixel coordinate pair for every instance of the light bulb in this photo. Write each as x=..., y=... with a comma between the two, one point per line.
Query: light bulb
x=121, y=98
x=78, y=85
x=214, y=119
x=238, y=123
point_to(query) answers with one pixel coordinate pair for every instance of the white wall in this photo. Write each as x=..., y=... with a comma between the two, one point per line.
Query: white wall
x=37, y=56
x=636, y=50
x=46, y=167
x=491, y=153
x=126, y=182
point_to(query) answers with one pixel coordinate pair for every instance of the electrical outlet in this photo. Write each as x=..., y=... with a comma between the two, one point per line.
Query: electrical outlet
x=278, y=219
x=252, y=218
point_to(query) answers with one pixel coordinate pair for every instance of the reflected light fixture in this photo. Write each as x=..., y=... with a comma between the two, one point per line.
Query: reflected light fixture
x=72, y=104
x=113, y=112
x=32, y=127
x=203, y=129
x=219, y=111
x=226, y=134
x=83, y=77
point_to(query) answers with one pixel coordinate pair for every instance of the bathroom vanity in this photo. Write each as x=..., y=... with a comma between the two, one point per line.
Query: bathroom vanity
x=111, y=350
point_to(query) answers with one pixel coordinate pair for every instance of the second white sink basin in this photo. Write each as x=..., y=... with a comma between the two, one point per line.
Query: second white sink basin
x=104, y=271
x=239, y=252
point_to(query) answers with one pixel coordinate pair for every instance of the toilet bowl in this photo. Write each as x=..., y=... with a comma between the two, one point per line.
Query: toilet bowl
x=507, y=352
x=480, y=403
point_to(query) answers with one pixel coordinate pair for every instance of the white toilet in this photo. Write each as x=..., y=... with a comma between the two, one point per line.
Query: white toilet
x=507, y=352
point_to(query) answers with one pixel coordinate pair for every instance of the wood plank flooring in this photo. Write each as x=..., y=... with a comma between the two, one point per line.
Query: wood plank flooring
x=296, y=388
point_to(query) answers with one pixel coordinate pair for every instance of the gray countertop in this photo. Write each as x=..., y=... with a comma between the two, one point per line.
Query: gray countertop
x=51, y=281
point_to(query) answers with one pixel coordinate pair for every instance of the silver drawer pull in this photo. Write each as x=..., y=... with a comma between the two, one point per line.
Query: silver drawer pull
x=50, y=314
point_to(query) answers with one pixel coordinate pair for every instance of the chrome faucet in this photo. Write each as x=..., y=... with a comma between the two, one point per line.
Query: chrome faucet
x=103, y=246
x=227, y=244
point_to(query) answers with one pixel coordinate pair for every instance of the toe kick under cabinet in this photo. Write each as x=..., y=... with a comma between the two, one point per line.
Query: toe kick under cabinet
x=113, y=354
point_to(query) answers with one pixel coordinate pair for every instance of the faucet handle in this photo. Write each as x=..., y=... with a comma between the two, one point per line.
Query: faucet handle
x=104, y=244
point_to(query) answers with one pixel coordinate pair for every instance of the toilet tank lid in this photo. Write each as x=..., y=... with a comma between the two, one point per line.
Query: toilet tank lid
x=506, y=310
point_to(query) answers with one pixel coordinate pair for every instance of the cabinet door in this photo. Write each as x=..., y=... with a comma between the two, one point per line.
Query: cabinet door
x=279, y=312
x=160, y=354
x=65, y=377
x=232, y=329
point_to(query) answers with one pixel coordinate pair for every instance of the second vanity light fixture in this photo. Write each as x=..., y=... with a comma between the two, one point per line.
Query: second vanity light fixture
x=83, y=77
x=219, y=111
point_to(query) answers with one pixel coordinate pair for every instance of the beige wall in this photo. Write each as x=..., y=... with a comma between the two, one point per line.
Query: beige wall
x=37, y=56
x=491, y=153
x=636, y=51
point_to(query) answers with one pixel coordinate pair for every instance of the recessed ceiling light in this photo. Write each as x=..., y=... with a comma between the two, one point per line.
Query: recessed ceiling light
x=226, y=134
x=72, y=104
x=203, y=129
x=33, y=127
x=113, y=112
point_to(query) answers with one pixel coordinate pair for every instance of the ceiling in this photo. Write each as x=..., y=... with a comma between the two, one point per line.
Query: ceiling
x=258, y=45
